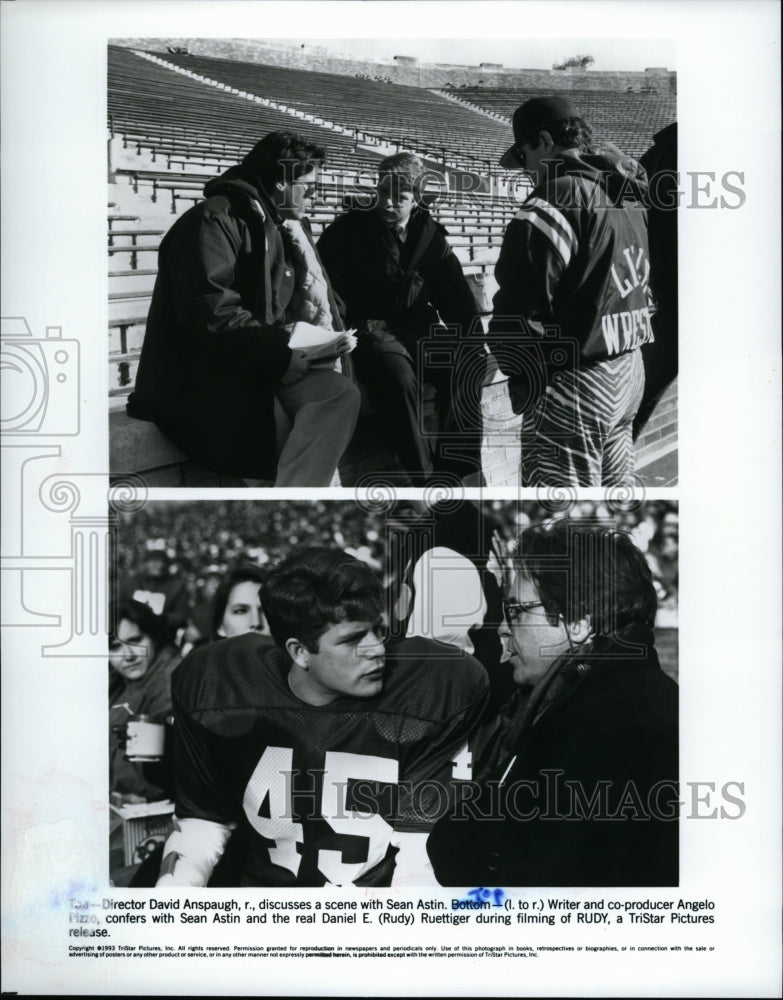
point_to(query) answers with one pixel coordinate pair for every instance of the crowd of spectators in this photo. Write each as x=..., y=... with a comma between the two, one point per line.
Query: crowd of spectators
x=190, y=573
x=198, y=541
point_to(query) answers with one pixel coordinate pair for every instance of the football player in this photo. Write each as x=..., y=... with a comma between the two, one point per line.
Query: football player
x=328, y=758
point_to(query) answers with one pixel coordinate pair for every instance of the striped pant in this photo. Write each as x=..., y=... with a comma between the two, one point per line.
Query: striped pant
x=579, y=433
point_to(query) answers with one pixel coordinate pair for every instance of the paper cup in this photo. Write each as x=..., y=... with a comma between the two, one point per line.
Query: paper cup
x=146, y=738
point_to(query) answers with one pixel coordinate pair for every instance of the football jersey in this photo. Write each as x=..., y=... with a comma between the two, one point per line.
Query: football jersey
x=319, y=792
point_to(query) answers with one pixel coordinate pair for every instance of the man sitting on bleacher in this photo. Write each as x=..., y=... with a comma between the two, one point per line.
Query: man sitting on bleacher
x=400, y=280
x=235, y=272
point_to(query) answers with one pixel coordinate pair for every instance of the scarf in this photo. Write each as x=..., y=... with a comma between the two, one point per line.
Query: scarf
x=310, y=301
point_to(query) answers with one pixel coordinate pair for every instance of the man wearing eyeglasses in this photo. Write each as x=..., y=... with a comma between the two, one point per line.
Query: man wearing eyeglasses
x=329, y=758
x=584, y=791
x=573, y=305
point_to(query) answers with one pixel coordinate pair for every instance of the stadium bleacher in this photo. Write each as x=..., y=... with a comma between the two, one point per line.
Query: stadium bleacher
x=627, y=119
x=171, y=131
x=415, y=118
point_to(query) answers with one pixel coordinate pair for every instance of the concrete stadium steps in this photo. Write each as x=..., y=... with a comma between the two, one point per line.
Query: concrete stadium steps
x=126, y=334
x=150, y=100
x=138, y=280
x=414, y=117
x=657, y=444
x=133, y=304
x=160, y=168
x=475, y=225
x=136, y=446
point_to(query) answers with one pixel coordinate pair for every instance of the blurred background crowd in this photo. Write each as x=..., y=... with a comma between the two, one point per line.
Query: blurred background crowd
x=190, y=573
x=183, y=550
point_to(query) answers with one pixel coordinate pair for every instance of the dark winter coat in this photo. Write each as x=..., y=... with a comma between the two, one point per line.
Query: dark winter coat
x=609, y=731
x=215, y=343
x=367, y=268
x=150, y=695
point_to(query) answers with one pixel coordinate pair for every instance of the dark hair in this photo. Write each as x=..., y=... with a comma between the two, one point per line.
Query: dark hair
x=585, y=569
x=152, y=625
x=569, y=133
x=241, y=573
x=282, y=156
x=314, y=588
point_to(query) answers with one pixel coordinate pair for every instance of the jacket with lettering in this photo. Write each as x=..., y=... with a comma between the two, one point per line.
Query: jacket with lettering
x=574, y=266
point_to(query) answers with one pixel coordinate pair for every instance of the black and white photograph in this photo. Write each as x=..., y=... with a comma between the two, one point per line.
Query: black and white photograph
x=331, y=268
x=384, y=579
x=444, y=694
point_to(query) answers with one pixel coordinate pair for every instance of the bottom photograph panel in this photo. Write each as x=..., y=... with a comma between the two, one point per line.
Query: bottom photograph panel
x=313, y=693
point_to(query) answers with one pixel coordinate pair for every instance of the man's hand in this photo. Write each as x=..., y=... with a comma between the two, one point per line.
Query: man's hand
x=305, y=358
x=192, y=850
x=343, y=343
x=298, y=367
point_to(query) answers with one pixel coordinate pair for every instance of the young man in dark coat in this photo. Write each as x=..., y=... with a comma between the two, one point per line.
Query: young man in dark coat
x=235, y=273
x=582, y=788
x=392, y=265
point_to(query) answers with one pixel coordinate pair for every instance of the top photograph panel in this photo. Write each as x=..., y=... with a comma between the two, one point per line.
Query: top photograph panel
x=330, y=266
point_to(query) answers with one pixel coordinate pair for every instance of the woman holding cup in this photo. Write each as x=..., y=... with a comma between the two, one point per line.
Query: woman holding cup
x=141, y=660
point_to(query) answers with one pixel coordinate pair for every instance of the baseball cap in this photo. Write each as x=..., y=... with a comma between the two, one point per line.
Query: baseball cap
x=531, y=117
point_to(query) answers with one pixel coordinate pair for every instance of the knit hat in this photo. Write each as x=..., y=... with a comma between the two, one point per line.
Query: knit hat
x=531, y=117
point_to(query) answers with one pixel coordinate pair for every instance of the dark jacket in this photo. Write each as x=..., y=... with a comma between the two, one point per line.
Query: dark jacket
x=150, y=695
x=367, y=268
x=574, y=263
x=661, y=356
x=660, y=163
x=215, y=343
x=610, y=730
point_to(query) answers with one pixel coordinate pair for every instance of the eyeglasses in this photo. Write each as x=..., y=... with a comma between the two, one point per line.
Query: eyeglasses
x=512, y=611
x=308, y=190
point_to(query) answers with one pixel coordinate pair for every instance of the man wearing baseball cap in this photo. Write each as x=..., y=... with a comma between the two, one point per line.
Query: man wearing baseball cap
x=573, y=305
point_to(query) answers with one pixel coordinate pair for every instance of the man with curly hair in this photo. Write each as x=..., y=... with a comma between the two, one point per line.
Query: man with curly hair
x=236, y=275
x=584, y=784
